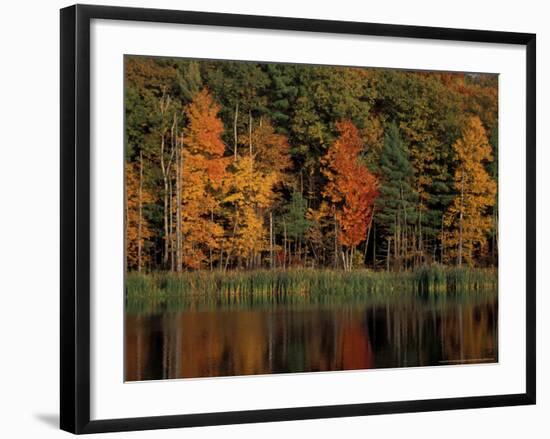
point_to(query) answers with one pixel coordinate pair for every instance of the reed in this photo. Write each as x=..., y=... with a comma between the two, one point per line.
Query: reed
x=434, y=279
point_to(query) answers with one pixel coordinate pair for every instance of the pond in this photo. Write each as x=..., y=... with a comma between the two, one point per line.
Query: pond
x=211, y=339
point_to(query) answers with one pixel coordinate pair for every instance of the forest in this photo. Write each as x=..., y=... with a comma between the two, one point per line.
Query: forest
x=245, y=166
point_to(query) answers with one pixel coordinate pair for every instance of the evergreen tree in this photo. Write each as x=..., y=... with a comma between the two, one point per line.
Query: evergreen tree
x=396, y=205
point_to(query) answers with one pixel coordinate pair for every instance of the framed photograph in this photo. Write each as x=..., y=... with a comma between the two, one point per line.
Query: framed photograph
x=267, y=219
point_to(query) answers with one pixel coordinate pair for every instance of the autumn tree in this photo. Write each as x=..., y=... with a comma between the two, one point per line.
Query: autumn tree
x=201, y=170
x=351, y=188
x=137, y=230
x=248, y=191
x=270, y=153
x=468, y=221
x=283, y=119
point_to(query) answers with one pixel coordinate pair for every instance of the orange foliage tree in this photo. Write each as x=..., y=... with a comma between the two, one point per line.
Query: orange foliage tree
x=202, y=168
x=270, y=150
x=351, y=188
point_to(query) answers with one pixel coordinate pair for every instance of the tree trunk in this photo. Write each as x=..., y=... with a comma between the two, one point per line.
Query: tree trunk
x=335, y=242
x=284, y=244
x=461, y=217
x=171, y=226
x=165, y=168
x=368, y=235
x=210, y=246
x=179, y=255
x=126, y=227
x=374, y=247
x=388, y=255
x=343, y=255
x=271, y=261
x=235, y=140
x=420, y=243
x=442, y=239
x=140, y=208
x=250, y=133
x=164, y=105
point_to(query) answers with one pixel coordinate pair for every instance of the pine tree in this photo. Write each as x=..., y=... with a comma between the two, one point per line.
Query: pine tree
x=296, y=223
x=396, y=205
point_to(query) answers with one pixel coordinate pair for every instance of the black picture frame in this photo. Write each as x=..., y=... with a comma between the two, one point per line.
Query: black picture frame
x=75, y=217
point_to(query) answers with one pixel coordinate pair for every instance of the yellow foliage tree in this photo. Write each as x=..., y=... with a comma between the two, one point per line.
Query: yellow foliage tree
x=248, y=191
x=137, y=229
x=467, y=220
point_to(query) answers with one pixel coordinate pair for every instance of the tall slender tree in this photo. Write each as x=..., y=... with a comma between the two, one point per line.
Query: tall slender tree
x=396, y=206
x=468, y=220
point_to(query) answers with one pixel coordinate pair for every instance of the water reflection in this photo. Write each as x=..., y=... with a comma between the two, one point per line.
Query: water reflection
x=204, y=341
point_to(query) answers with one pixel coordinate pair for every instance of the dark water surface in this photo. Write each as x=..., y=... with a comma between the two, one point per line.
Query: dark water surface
x=208, y=340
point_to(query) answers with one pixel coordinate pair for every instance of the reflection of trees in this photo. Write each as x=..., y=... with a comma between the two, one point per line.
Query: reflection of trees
x=137, y=348
x=198, y=344
x=276, y=340
x=452, y=333
x=469, y=334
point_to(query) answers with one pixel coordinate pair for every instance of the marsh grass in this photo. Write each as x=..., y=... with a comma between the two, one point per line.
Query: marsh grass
x=215, y=290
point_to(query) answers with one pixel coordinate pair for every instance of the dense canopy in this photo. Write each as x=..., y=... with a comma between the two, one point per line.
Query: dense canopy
x=242, y=165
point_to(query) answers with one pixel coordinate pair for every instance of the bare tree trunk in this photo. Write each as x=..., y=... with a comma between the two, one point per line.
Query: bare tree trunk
x=420, y=243
x=284, y=244
x=126, y=226
x=250, y=132
x=235, y=140
x=335, y=242
x=166, y=230
x=442, y=239
x=164, y=104
x=179, y=255
x=461, y=217
x=388, y=255
x=344, y=265
x=166, y=167
x=396, y=241
x=171, y=226
x=271, y=260
x=235, y=228
x=374, y=247
x=368, y=234
x=210, y=246
x=220, y=264
x=140, y=208
x=494, y=240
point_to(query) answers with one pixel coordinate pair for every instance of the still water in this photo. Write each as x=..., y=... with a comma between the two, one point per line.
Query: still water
x=189, y=341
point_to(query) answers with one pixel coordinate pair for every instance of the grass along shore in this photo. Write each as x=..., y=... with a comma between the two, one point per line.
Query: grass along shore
x=309, y=282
